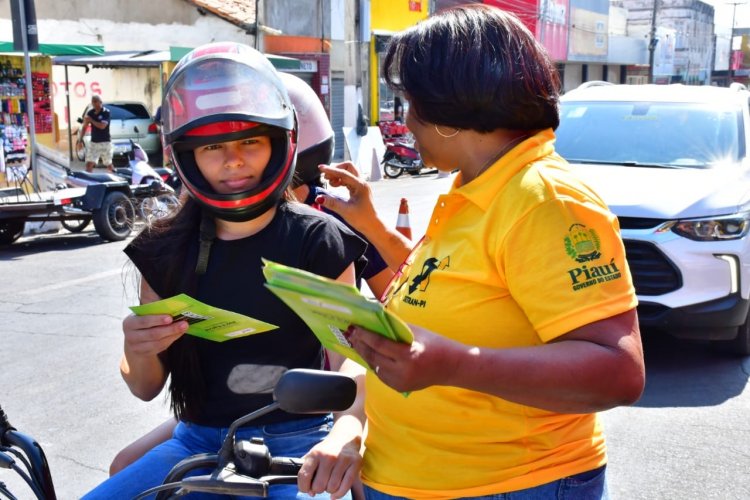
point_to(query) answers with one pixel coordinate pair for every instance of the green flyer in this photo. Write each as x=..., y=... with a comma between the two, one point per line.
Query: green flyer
x=328, y=307
x=205, y=321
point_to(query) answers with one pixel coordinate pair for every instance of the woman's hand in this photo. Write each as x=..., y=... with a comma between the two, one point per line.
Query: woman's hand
x=145, y=338
x=427, y=361
x=149, y=335
x=330, y=466
x=359, y=210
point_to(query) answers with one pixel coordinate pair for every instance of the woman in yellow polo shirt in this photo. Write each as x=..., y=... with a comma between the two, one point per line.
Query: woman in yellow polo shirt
x=519, y=295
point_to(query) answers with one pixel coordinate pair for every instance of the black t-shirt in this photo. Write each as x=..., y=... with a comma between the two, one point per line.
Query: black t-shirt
x=240, y=374
x=99, y=135
x=375, y=262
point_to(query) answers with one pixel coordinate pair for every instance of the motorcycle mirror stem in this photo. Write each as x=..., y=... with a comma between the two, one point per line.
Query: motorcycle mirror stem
x=300, y=391
x=227, y=447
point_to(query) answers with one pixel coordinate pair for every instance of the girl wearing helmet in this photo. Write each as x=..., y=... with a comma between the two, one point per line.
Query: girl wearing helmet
x=314, y=147
x=231, y=132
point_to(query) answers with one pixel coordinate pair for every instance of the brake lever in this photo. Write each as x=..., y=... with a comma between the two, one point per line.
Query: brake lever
x=226, y=482
x=271, y=480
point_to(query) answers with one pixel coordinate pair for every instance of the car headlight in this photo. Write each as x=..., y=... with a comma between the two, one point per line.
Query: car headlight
x=730, y=227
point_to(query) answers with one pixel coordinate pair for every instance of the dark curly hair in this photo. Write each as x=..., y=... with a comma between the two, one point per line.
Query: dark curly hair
x=474, y=67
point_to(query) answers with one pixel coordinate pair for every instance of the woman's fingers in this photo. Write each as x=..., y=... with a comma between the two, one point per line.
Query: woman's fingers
x=328, y=473
x=151, y=334
x=342, y=174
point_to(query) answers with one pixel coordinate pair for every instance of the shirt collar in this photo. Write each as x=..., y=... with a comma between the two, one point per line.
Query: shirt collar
x=483, y=189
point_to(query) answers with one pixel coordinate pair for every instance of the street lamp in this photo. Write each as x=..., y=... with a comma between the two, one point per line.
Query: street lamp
x=652, y=41
x=731, y=38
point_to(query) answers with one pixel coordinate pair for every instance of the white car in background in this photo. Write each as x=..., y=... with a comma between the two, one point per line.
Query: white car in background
x=129, y=120
x=673, y=163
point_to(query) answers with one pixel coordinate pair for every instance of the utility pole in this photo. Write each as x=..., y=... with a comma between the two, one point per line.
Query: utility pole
x=652, y=41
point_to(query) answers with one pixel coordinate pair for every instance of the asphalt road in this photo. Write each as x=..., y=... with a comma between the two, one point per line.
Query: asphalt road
x=63, y=297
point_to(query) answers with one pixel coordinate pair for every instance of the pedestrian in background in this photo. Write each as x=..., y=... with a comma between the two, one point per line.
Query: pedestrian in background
x=100, y=145
x=519, y=295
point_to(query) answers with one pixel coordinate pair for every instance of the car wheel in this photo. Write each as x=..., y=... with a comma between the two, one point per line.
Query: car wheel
x=10, y=231
x=76, y=225
x=114, y=219
x=738, y=346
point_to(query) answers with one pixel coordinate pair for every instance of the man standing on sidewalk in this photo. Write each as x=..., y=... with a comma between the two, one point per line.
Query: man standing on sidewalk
x=100, y=146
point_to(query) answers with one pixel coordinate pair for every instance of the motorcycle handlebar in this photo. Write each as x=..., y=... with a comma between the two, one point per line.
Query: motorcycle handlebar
x=284, y=466
x=224, y=481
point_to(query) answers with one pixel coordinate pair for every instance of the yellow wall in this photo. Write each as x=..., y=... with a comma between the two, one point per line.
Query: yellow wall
x=388, y=15
x=394, y=15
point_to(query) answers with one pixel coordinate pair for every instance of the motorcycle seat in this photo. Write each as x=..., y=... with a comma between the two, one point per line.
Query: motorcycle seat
x=98, y=177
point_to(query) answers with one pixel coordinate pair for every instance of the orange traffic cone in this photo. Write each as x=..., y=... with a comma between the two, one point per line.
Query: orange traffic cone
x=402, y=224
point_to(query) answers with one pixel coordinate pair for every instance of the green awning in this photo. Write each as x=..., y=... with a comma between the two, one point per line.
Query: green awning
x=279, y=62
x=57, y=49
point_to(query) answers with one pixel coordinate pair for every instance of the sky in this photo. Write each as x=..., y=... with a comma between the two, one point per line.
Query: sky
x=723, y=13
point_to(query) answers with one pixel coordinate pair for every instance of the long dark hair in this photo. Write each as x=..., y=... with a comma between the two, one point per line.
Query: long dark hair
x=172, y=244
x=474, y=67
x=169, y=242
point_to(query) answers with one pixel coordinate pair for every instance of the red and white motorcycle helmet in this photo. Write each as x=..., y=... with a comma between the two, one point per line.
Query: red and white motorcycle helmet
x=316, y=138
x=224, y=92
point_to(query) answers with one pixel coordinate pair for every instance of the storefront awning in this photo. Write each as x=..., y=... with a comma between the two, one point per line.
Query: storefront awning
x=148, y=58
x=58, y=49
x=279, y=62
x=153, y=58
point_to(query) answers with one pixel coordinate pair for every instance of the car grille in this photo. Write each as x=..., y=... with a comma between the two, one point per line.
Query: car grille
x=653, y=273
x=639, y=222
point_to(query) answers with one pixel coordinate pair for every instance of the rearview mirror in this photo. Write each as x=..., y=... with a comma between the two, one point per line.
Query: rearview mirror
x=314, y=391
x=79, y=120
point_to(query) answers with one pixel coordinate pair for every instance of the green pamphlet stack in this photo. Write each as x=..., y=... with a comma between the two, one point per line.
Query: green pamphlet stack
x=328, y=307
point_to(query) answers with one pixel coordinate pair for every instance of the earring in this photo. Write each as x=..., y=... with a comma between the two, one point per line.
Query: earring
x=454, y=134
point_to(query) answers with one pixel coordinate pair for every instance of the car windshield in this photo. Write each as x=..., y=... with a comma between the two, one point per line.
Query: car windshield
x=127, y=111
x=649, y=134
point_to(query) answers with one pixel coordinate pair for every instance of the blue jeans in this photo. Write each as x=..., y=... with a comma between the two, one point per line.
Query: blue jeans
x=287, y=439
x=591, y=485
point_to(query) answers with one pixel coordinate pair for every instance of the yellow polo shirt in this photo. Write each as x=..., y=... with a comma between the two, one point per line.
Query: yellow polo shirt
x=523, y=254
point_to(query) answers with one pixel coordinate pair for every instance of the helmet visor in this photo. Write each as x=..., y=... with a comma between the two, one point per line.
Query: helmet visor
x=221, y=89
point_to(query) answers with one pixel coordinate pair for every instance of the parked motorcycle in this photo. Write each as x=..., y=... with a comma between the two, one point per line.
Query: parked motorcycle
x=153, y=197
x=401, y=156
x=138, y=169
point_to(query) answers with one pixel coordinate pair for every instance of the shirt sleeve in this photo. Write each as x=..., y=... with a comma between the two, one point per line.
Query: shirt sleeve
x=374, y=263
x=565, y=266
x=144, y=260
x=330, y=247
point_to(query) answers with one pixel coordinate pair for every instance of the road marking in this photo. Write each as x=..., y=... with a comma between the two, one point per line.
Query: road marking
x=65, y=284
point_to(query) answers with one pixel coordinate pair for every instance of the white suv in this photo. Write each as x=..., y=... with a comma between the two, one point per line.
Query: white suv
x=672, y=163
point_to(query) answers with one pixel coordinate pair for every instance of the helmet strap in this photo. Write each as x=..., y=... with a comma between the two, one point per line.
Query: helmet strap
x=207, y=237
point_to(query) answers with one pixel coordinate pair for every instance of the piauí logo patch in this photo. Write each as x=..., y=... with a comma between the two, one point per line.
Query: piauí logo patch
x=582, y=244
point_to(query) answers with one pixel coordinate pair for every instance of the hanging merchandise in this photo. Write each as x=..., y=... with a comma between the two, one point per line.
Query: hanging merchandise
x=14, y=114
x=42, y=102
